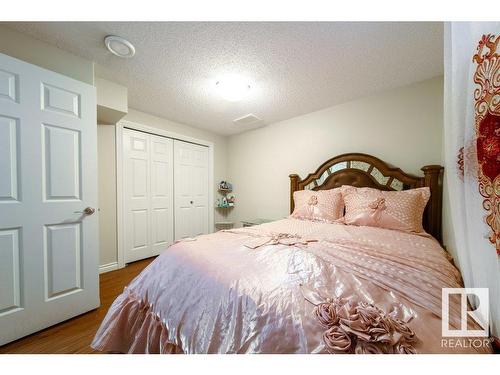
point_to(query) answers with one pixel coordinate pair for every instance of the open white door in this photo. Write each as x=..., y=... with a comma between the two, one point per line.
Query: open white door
x=48, y=194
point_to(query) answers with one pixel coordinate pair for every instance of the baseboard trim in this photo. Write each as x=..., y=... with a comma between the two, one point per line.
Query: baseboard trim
x=108, y=267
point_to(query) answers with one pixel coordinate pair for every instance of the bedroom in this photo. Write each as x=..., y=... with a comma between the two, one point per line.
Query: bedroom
x=249, y=187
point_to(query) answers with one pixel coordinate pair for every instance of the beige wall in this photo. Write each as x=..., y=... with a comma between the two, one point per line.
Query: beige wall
x=107, y=171
x=401, y=126
x=39, y=53
x=106, y=163
x=112, y=101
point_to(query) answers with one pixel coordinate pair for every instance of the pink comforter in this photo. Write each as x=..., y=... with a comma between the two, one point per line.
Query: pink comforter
x=246, y=290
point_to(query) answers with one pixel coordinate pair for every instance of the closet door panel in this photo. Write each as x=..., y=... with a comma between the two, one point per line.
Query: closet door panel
x=200, y=192
x=183, y=190
x=136, y=195
x=148, y=194
x=161, y=193
x=191, y=189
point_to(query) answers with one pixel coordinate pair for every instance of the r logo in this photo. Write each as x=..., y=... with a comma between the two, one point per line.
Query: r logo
x=480, y=315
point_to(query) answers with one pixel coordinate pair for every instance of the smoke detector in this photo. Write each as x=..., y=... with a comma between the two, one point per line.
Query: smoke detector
x=119, y=46
x=247, y=120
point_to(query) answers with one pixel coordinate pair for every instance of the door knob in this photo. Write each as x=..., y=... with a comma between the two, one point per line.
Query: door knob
x=86, y=211
x=89, y=211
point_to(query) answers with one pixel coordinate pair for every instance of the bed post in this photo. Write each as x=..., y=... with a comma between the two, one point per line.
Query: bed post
x=433, y=180
x=294, y=186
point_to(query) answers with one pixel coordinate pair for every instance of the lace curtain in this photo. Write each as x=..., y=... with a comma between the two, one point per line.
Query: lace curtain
x=472, y=155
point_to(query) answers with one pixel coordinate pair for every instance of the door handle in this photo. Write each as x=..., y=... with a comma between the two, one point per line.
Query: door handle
x=191, y=202
x=87, y=211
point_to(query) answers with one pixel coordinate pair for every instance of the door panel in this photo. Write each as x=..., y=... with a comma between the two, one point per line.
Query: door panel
x=62, y=259
x=9, y=139
x=48, y=248
x=9, y=83
x=10, y=291
x=59, y=100
x=162, y=193
x=139, y=178
x=191, y=189
x=140, y=229
x=61, y=163
x=136, y=194
x=148, y=196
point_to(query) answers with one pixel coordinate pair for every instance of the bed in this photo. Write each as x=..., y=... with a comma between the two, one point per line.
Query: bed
x=315, y=288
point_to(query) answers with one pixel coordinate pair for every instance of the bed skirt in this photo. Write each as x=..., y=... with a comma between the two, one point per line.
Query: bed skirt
x=131, y=326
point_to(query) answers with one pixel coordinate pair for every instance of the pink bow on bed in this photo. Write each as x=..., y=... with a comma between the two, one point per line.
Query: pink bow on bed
x=278, y=238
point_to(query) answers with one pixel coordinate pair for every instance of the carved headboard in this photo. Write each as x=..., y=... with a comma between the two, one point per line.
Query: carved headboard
x=363, y=170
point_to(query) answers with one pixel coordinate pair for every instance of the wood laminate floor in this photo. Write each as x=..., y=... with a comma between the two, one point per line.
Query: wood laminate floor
x=75, y=335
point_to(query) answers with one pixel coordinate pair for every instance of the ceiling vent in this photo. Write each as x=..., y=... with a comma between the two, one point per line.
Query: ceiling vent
x=247, y=120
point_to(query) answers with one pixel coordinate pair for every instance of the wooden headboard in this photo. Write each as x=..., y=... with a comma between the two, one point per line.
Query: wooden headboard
x=362, y=170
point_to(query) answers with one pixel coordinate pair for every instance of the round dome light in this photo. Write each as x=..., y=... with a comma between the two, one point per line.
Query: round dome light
x=119, y=46
x=233, y=87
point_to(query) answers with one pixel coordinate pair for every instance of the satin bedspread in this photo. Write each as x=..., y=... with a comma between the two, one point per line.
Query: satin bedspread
x=216, y=295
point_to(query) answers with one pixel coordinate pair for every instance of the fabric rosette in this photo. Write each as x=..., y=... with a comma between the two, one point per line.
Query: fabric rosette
x=337, y=340
x=362, y=328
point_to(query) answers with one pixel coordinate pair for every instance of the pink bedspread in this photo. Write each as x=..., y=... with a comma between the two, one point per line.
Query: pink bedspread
x=216, y=295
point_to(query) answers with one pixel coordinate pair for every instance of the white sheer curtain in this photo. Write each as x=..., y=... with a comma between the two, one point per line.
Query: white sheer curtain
x=472, y=154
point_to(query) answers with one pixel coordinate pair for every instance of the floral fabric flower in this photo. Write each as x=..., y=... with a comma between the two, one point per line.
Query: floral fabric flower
x=313, y=201
x=404, y=348
x=364, y=347
x=337, y=340
x=326, y=314
x=362, y=328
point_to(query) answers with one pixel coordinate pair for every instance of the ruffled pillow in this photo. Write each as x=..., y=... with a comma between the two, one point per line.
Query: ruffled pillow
x=399, y=210
x=323, y=205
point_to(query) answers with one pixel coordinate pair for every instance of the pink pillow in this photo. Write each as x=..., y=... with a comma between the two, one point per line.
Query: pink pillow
x=323, y=205
x=399, y=210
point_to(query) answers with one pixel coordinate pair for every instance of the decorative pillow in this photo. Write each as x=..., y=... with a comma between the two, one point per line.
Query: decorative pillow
x=399, y=210
x=323, y=205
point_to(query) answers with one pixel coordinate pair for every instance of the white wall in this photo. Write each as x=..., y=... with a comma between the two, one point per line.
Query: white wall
x=402, y=126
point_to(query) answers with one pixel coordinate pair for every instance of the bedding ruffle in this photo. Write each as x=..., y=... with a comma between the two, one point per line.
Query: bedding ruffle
x=131, y=326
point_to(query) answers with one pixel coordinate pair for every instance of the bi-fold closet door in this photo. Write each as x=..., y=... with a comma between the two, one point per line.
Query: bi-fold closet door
x=148, y=194
x=191, y=189
x=165, y=191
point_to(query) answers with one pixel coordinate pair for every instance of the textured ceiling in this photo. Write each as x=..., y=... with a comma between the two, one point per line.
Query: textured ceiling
x=295, y=68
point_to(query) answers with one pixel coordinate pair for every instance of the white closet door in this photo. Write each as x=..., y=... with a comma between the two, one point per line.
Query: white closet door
x=162, y=193
x=191, y=189
x=148, y=172
x=48, y=176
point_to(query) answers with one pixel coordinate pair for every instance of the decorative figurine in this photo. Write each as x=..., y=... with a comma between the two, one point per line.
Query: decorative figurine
x=224, y=185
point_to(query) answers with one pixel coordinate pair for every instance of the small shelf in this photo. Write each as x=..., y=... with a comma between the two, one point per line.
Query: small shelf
x=224, y=207
x=225, y=191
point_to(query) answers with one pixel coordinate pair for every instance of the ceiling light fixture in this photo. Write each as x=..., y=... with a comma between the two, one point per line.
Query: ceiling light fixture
x=233, y=87
x=119, y=46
